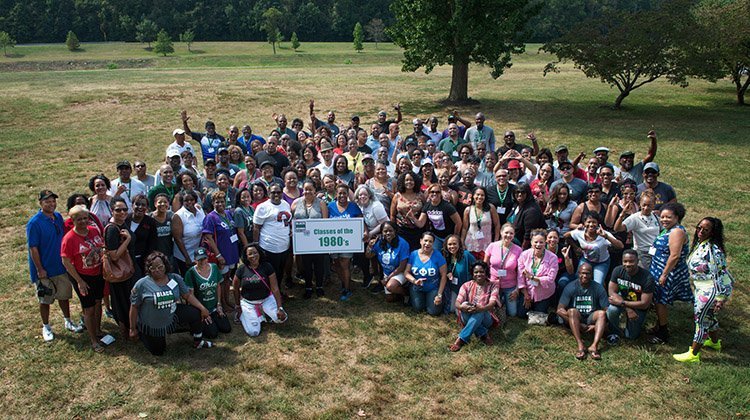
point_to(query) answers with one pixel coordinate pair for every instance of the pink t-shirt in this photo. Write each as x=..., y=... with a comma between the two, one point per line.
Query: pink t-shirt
x=502, y=260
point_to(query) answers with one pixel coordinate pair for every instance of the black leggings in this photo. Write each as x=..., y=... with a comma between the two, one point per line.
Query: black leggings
x=364, y=264
x=187, y=318
x=219, y=324
x=313, y=264
x=277, y=261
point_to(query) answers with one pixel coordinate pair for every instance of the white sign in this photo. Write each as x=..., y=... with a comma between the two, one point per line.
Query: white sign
x=328, y=236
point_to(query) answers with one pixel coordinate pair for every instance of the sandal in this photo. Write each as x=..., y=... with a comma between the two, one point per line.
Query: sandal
x=581, y=354
x=595, y=355
x=98, y=348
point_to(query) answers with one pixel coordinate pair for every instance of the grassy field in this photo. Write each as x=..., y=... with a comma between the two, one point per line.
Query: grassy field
x=335, y=360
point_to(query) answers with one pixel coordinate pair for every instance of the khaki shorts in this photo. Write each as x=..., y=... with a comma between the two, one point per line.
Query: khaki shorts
x=61, y=286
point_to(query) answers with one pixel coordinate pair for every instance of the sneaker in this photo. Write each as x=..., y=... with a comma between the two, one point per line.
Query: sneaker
x=711, y=345
x=70, y=326
x=47, y=333
x=486, y=339
x=688, y=357
x=457, y=345
x=377, y=289
x=308, y=293
x=203, y=344
x=613, y=339
x=660, y=337
x=320, y=292
x=345, y=295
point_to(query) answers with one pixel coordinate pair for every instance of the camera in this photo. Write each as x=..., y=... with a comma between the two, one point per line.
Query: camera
x=42, y=290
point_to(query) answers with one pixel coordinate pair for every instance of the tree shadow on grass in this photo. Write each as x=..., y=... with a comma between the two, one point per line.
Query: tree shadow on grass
x=194, y=51
x=14, y=55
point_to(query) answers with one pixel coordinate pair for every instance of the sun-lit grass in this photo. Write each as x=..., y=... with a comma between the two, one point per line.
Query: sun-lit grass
x=332, y=360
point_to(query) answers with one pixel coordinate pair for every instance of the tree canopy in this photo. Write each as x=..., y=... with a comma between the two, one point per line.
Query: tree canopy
x=459, y=32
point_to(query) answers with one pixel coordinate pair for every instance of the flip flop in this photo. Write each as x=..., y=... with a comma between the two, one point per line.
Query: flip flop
x=595, y=354
x=581, y=354
x=98, y=348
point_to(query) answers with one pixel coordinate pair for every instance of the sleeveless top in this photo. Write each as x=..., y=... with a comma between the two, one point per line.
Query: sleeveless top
x=602, y=212
x=304, y=212
x=479, y=234
x=677, y=286
x=402, y=209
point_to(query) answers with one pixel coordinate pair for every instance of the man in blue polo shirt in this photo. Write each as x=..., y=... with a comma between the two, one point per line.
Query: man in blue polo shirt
x=209, y=141
x=44, y=234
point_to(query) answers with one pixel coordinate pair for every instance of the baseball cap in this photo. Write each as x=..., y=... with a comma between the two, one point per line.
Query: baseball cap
x=451, y=117
x=426, y=161
x=560, y=148
x=222, y=149
x=172, y=153
x=355, y=117
x=601, y=149
x=200, y=254
x=411, y=141
x=368, y=156
x=383, y=113
x=178, y=131
x=651, y=165
x=210, y=124
x=45, y=194
x=123, y=164
x=416, y=121
x=210, y=161
x=267, y=162
x=627, y=153
x=514, y=164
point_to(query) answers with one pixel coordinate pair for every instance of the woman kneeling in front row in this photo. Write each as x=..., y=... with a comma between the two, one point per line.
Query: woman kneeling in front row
x=155, y=310
x=475, y=303
x=255, y=282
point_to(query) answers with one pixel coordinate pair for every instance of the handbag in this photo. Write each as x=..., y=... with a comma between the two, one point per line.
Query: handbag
x=116, y=271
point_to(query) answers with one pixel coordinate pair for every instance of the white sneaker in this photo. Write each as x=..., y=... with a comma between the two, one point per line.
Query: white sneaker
x=47, y=333
x=70, y=326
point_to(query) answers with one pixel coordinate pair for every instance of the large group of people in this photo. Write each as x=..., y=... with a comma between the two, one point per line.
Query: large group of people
x=455, y=222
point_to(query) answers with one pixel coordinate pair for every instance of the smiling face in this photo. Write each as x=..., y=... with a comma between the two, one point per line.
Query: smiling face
x=452, y=245
x=507, y=234
x=162, y=204
x=246, y=199
x=167, y=173
x=120, y=212
x=189, y=202
x=363, y=198
x=100, y=187
x=409, y=182
x=342, y=195
x=140, y=207
x=81, y=221
x=48, y=205
x=479, y=197
x=585, y=274
x=388, y=233
x=222, y=181
x=479, y=275
x=274, y=192
x=258, y=193
x=501, y=176
x=290, y=180
x=426, y=242
x=253, y=256
x=704, y=230
x=591, y=225
x=341, y=166
x=553, y=239
x=219, y=204
x=545, y=172
x=668, y=219
x=630, y=262
x=538, y=243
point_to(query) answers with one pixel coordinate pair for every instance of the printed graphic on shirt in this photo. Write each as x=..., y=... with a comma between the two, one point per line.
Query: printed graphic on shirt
x=629, y=290
x=437, y=219
x=91, y=252
x=163, y=300
x=584, y=304
x=424, y=272
x=285, y=217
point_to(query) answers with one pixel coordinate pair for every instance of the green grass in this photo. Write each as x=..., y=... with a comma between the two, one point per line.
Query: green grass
x=332, y=360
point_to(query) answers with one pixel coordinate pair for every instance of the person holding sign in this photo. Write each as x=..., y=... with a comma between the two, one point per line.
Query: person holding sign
x=392, y=253
x=427, y=271
x=582, y=307
x=256, y=291
x=156, y=310
x=537, y=272
x=342, y=208
x=309, y=206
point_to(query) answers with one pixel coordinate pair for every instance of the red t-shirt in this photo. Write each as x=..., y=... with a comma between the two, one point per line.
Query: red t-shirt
x=84, y=253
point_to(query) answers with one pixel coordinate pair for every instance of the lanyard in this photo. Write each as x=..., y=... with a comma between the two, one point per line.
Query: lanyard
x=478, y=214
x=504, y=256
x=535, y=268
x=502, y=195
x=224, y=219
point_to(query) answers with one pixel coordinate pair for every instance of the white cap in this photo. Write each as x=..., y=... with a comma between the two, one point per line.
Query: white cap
x=178, y=131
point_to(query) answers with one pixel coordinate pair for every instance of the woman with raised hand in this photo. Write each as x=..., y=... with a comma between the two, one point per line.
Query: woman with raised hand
x=475, y=303
x=187, y=228
x=392, y=252
x=155, y=308
x=459, y=262
x=713, y=286
x=256, y=291
x=537, y=272
x=220, y=236
x=203, y=279
x=480, y=220
x=643, y=224
x=595, y=242
x=311, y=207
x=81, y=252
x=669, y=267
x=502, y=257
x=427, y=272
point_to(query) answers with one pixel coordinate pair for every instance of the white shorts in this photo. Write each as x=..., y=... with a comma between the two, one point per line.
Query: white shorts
x=399, y=278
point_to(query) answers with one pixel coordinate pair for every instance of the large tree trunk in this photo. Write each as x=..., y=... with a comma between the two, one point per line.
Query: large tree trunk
x=459, y=82
x=618, y=102
x=741, y=88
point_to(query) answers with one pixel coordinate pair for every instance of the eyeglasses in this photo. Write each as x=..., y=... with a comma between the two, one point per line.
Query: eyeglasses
x=120, y=210
x=434, y=192
x=702, y=229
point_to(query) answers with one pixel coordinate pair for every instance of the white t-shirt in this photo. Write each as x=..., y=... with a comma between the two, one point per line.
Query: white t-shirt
x=595, y=252
x=179, y=149
x=274, y=220
x=645, y=229
x=374, y=212
x=325, y=169
x=134, y=187
x=192, y=227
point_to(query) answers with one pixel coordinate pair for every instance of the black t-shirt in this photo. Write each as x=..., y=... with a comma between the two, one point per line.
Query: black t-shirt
x=384, y=125
x=630, y=287
x=279, y=161
x=465, y=195
x=504, y=204
x=364, y=149
x=504, y=149
x=440, y=218
x=255, y=284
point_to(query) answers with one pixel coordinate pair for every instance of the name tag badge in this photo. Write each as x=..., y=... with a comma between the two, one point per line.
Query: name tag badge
x=479, y=235
x=172, y=284
x=534, y=283
x=455, y=153
x=652, y=251
x=501, y=210
x=502, y=273
x=233, y=238
x=452, y=278
x=231, y=172
x=211, y=150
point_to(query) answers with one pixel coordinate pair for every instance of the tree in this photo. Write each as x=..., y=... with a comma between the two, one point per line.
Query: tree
x=72, y=42
x=720, y=45
x=163, y=43
x=6, y=41
x=375, y=31
x=458, y=32
x=187, y=37
x=146, y=31
x=271, y=22
x=295, y=41
x=625, y=50
x=359, y=36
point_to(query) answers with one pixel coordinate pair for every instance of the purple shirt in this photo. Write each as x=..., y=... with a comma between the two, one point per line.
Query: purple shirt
x=225, y=235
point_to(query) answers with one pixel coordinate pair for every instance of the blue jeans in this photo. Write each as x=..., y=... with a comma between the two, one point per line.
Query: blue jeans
x=421, y=300
x=541, y=306
x=633, y=326
x=600, y=271
x=477, y=323
x=511, y=306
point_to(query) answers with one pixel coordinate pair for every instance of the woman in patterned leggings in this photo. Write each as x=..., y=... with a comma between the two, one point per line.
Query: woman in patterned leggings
x=713, y=285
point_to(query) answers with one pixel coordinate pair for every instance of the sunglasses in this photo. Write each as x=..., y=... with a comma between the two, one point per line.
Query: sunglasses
x=120, y=210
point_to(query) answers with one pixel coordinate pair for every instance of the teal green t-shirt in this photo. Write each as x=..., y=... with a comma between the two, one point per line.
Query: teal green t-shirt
x=204, y=289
